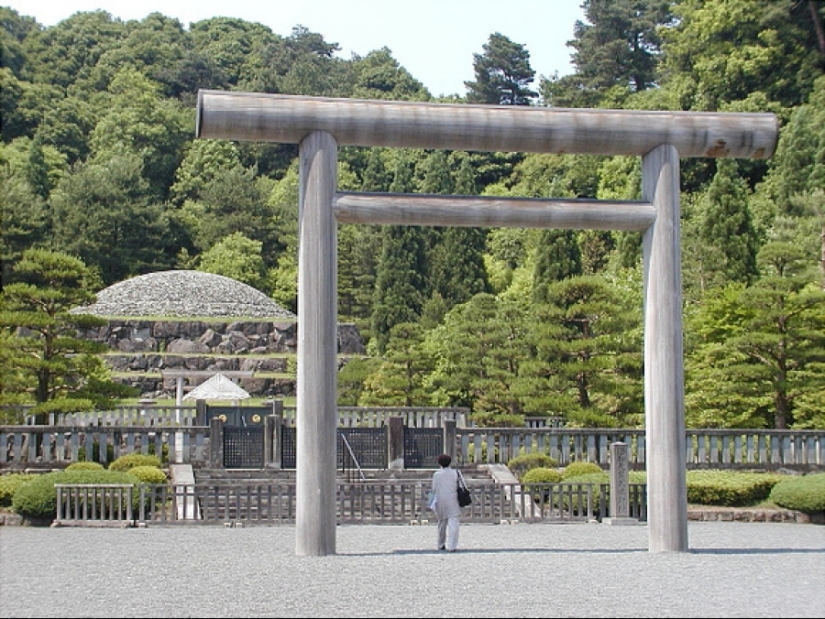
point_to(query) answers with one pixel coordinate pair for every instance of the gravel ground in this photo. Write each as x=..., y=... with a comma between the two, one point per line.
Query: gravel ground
x=733, y=569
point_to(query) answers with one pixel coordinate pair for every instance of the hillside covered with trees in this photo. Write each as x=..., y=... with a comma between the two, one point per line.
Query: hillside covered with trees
x=101, y=180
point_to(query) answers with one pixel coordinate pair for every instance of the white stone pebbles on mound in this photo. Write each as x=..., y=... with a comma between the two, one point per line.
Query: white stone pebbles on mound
x=184, y=293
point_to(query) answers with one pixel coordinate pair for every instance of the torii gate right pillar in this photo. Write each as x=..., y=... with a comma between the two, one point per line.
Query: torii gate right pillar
x=663, y=348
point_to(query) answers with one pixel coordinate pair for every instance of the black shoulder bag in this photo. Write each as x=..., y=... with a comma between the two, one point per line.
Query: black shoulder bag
x=464, y=498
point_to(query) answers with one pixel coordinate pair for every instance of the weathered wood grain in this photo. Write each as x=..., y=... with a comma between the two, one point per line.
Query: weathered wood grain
x=408, y=124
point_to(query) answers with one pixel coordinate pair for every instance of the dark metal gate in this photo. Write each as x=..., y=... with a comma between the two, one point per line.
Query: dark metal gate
x=369, y=446
x=422, y=446
x=243, y=435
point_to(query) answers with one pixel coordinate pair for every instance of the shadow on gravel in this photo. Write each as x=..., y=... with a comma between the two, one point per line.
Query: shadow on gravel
x=494, y=551
x=594, y=551
x=757, y=551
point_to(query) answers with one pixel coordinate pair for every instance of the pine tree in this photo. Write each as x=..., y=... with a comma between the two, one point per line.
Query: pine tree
x=503, y=74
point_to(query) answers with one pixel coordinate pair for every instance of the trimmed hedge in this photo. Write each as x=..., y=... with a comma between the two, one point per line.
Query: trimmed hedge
x=130, y=461
x=542, y=475
x=149, y=474
x=85, y=466
x=37, y=498
x=729, y=488
x=575, y=469
x=9, y=483
x=522, y=464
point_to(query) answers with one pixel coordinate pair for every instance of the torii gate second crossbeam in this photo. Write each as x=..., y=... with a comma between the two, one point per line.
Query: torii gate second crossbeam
x=319, y=125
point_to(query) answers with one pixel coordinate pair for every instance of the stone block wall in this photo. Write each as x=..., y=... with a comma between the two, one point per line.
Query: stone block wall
x=144, y=348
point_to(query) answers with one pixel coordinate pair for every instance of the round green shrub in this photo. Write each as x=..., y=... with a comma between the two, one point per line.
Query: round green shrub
x=523, y=463
x=574, y=469
x=805, y=493
x=149, y=474
x=542, y=475
x=37, y=498
x=85, y=466
x=9, y=483
x=130, y=461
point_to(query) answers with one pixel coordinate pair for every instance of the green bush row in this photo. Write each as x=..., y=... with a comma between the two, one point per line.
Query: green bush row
x=805, y=493
x=34, y=496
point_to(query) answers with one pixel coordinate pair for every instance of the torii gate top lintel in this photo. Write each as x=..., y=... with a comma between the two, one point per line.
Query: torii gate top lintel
x=289, y=119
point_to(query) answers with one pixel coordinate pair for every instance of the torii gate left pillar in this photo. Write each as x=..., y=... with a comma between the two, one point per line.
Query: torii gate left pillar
x=315, y=511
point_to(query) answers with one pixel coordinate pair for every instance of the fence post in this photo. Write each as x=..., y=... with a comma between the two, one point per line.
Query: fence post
x=395, y=443
x=215, y=443
x=449, y=438
x=273, y=436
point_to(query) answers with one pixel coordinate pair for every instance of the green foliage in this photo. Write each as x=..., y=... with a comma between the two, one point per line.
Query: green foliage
x=503, y=74
x=542, y=475
x=130, y=461
x=352, y=378
x=148, y=474
x=46, y=359
x=237, y=257
x=637, y=477
x=9, y=483
x=87, y=465
x=37, y=498
x=397, y=381
x=576, y=469
x=95, y=457
x=616, y=51
x=729, y=488
x=104, y=213
x=99, y=161
x=400, y=282
x=577, y=503
x=525, y=462
x=805, y=493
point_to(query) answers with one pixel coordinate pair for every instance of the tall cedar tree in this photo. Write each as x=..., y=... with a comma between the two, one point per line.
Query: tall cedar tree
x=727, y=223
x=557, y=257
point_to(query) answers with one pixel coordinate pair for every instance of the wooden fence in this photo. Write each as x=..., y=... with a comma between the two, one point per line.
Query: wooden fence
x=240, y=503
x=706, y=448
x=348, y=416
x=56, y=446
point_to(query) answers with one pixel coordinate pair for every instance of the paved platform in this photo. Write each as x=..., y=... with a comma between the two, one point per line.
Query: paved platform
x=733, y=569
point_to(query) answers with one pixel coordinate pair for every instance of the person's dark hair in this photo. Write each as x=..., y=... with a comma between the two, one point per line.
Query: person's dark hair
x=444, y=460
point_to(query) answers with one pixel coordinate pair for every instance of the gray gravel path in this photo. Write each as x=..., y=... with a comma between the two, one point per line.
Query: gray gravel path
x=733, y=569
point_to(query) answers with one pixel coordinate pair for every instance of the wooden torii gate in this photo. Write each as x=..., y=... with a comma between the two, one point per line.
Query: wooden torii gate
x=319, y=125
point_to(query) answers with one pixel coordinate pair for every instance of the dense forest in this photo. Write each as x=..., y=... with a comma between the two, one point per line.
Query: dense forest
x=101, y=179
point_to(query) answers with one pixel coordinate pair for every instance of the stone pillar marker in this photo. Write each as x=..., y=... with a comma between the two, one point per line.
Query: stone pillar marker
x=619, y=487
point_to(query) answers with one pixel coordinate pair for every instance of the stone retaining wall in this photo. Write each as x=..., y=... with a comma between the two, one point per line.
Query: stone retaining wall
x=146, y=348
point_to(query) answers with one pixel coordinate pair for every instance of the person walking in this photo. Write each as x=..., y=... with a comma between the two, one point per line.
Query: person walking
x=444, y=502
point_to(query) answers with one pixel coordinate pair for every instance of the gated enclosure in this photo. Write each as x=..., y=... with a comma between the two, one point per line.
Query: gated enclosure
x=245, y=433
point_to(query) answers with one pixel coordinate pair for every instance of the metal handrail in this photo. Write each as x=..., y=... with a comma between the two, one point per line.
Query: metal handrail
x=352, y=456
